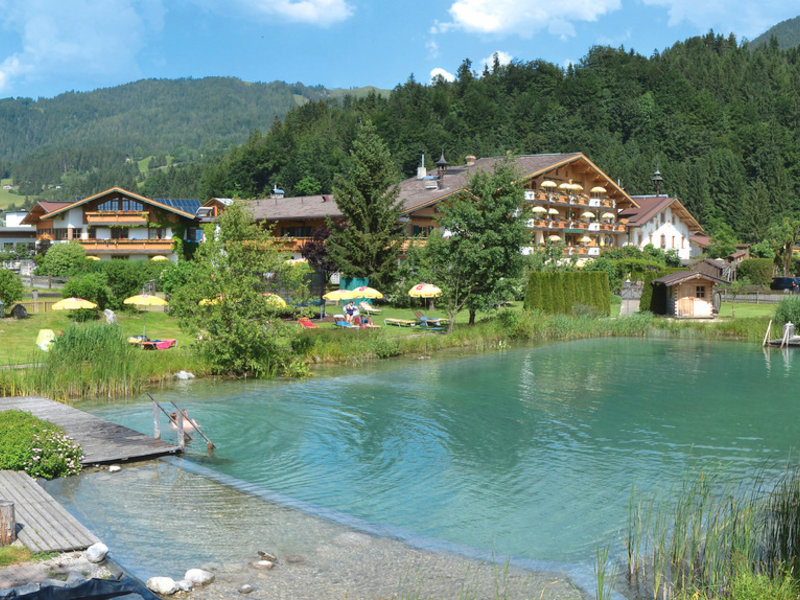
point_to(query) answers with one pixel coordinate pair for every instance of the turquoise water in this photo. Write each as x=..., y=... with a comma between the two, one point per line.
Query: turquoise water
x=529, y=453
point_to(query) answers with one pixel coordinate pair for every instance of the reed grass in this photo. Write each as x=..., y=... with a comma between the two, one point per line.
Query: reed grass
x=716, y=540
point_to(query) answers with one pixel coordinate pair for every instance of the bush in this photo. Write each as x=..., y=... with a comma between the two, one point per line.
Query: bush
x=758, y=270
x=125, y=278
x=62, y=260
x=37, y=447
x=557, y=292
x=788, y=311
x=92, y=286
x=10, y=287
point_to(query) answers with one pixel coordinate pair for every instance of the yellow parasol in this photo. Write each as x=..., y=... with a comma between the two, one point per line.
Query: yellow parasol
x=73, y=304
x=425, y=290
x=339, y=295
x=554, y=238
x=585, y=239
x=143, y=301
x=92, y=258
x=588, y=215
x=539, y=209
x=548, y=184
x=598, y=189
x=552, y=211
x=275, y=300
x=608, y=215
x=158, y=257
x=565, y=186
x=576, y=186
x=365, y=292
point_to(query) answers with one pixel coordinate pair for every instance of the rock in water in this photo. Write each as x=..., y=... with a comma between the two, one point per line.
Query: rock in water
x=199, y=576
x=96, y=553
x=184, y=375
x=162, y=585
x=245, y=589
x=267, y=556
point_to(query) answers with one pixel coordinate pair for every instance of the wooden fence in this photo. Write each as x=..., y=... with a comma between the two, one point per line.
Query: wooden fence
x=755, y=298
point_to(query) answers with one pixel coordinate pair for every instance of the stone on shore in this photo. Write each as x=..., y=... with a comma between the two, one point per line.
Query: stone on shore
x=246, y=588
x=96, y=553
x=199, y=576
x=162, y=585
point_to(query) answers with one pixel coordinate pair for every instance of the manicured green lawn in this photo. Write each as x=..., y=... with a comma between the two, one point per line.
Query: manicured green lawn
x=744, y=310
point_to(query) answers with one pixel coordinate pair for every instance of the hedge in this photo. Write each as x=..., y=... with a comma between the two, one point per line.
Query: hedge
x=654, y=298
x=562, y=292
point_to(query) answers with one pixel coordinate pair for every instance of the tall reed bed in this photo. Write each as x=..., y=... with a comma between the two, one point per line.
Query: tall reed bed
x=717, y=542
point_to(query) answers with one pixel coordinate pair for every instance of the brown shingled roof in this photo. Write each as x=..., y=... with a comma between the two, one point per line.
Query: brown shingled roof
x=413, y=192
x=649, y=206
x=681, y=276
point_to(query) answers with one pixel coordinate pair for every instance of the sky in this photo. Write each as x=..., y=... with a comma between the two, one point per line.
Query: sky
x=48, y=47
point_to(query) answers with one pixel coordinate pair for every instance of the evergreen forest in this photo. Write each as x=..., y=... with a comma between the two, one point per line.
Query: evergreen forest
x=718, y=118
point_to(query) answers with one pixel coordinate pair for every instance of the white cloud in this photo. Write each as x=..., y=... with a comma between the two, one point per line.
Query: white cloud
x=314, y=12
x=503, y=58
x=525, y=17
x=81, y=38
x=433, y=49
x=439, y=72
x=743, y=17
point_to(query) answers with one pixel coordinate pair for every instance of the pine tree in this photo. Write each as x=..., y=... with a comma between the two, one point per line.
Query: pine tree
x=369, y=243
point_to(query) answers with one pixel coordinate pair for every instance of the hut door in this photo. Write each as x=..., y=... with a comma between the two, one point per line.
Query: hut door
x=685, y=307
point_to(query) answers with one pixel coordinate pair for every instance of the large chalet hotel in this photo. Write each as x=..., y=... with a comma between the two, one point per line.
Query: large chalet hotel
x=570, y=200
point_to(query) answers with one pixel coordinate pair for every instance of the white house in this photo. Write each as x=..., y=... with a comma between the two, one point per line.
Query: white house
x=663, y=222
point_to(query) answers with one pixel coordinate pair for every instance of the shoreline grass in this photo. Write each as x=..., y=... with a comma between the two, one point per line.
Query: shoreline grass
x=134, y=370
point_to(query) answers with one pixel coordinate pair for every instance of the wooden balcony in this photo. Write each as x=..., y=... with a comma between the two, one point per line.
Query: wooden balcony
x=117, y=217
x=162, y=246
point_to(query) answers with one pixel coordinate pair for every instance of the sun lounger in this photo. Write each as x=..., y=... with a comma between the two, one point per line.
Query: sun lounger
x=436, y=322
x=346, y=325
x=307, y=324
x=369, y=309
x=427, y=324
x=45, y=338
x=399, y=322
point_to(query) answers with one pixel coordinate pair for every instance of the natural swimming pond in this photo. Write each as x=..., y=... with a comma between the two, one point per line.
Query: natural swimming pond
x=529, y=453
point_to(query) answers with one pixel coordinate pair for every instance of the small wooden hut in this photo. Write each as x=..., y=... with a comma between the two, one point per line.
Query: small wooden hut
x=689, y=294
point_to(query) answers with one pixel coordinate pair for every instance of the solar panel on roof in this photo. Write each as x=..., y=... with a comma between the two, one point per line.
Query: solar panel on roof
x=184, y=204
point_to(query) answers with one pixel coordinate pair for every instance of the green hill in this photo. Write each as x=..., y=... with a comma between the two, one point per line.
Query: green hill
x=786, y=32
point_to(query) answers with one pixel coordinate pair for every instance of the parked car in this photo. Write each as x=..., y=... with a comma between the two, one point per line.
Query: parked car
x=790, y=284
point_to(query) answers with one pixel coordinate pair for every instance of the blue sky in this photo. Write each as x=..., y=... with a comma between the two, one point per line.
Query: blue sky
x=52, y=46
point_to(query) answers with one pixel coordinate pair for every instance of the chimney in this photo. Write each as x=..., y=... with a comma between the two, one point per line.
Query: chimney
x=422, y=172
x=441, y=165
x=470, y=159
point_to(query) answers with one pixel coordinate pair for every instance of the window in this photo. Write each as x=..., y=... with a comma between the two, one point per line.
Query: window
x=700, y=291
x=673, y=242
x=663, y=241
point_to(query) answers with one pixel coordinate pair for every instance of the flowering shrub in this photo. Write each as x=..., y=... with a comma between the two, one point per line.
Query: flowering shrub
x=53, y=455
x=37, y=447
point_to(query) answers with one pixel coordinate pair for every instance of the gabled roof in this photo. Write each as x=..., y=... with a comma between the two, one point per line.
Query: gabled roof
x=415, y=195
x=119, y=191
x=40, y=209
x=650, y=206
x=681, y=276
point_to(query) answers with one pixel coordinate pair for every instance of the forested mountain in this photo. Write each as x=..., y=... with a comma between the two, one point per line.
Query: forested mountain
x=786, y=32
x=719, y=120
x=76, y=134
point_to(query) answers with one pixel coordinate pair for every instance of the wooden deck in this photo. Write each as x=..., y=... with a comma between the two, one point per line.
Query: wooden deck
x=43, y=525
x=102, y=441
